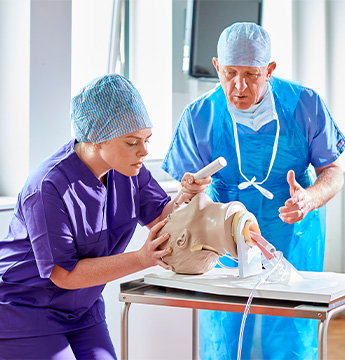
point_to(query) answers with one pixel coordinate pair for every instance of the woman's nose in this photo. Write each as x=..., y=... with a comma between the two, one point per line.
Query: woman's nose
x=143, y=151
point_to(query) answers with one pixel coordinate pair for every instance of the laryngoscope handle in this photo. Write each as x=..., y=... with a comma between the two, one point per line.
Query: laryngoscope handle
x=211, y=168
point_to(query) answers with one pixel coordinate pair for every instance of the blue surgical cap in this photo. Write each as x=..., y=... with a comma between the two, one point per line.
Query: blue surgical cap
x=244, y=44
x=106, y=108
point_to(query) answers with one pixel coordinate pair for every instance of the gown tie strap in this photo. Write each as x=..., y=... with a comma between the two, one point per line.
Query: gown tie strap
x=252, y=182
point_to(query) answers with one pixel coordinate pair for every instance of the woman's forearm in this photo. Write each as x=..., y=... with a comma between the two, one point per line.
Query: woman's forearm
x=99, y=271
x=96, y=271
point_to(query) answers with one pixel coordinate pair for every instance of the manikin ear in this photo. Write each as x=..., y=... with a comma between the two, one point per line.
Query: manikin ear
x=183, y=240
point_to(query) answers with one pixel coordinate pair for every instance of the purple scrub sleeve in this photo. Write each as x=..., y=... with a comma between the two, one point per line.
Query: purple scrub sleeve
x=50, y=232
x=64, y=214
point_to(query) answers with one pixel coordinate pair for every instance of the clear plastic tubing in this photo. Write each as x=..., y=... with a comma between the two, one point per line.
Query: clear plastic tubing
x=249, y=302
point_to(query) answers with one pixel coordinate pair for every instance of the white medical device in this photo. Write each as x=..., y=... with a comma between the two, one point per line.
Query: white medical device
x=211, y=168
x=249, y=258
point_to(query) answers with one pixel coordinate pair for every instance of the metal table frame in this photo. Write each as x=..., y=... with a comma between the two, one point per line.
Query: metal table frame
x=138, y=292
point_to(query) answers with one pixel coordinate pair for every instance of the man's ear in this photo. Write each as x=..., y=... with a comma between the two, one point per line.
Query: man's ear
x=215, y=64
x=270, y=68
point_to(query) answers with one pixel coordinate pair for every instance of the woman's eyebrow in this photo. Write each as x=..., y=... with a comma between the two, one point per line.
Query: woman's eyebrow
x=137, y=137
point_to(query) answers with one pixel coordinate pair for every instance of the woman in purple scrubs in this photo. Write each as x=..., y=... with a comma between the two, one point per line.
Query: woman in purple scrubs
x=73, y=220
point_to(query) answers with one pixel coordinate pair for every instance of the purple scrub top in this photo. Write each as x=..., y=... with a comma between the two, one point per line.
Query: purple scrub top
x=63, y=214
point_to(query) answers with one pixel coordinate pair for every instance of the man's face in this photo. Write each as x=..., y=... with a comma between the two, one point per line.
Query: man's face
x=243, y=85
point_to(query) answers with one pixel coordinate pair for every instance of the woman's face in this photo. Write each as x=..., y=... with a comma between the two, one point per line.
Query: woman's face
x=126, y=153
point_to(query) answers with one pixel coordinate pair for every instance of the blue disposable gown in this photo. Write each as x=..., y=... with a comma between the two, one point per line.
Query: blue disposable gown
x=308, y=138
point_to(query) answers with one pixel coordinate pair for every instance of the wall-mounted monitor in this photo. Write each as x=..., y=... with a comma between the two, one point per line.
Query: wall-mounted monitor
x=205, y=20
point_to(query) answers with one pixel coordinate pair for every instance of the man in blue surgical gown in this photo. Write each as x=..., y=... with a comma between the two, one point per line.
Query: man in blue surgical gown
x=282, y=148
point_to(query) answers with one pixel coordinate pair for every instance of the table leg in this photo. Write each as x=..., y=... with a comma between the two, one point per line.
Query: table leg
x=195, y=338
x=322, y=332
x=124, y=331
x=322, y=339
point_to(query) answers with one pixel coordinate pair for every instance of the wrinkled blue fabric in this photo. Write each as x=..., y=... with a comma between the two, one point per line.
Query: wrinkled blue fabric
x=308, y=136
x=244, y=44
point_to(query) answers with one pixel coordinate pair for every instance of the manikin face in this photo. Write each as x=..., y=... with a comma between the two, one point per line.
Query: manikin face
x=200, y=232
x=243, y=86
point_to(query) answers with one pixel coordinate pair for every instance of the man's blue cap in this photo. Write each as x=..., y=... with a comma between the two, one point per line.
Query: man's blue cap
x=244, y=44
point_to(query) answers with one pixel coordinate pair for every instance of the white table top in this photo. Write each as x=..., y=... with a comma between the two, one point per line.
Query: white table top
x=314, y=287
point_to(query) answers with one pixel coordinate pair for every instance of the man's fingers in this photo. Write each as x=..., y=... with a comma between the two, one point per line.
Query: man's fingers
x=291, y=179
x=291, y=216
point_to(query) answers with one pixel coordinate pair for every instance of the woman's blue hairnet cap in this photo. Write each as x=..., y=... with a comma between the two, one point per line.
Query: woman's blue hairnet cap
x=244, y=44
x=106, y=108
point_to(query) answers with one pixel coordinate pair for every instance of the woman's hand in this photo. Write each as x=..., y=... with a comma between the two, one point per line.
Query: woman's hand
x=190, y=187
x=150, y=254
